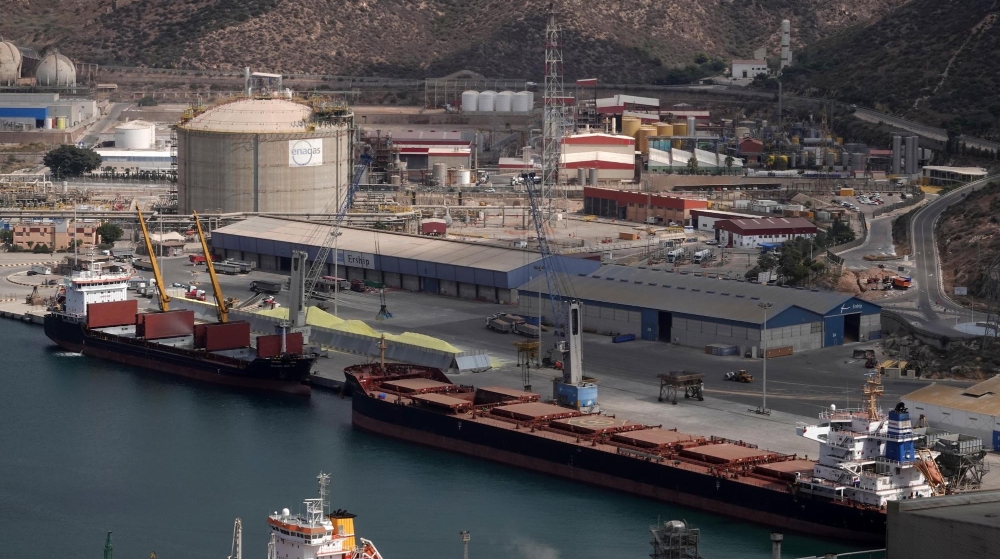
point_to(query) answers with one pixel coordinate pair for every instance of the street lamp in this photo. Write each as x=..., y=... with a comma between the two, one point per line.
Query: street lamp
x=763, y=336
x=538, y=356
x=336, y=270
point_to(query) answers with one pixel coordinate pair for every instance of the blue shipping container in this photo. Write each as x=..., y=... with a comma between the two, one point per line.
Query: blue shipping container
x=37, y=113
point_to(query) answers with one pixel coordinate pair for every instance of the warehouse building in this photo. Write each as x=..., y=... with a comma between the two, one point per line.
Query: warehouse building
x=974, y=410
x=961, y=525
x=697, y=310
x=613, y=156
x=410, y=262
x=704, y=220
x=750, y=233
x=642, y=207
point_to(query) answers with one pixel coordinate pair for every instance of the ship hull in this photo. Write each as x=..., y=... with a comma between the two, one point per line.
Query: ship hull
x=785, y=509
x=287, y=375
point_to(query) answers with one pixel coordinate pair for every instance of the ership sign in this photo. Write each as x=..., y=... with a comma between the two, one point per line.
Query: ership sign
x=305, y=153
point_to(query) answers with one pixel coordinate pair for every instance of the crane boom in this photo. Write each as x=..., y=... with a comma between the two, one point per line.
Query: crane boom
x=220, y=303
x=532, y=185
x=316, y=270
x=161, y=289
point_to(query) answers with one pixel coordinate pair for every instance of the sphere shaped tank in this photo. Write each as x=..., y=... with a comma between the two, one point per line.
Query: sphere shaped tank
x=55, y=70
x=487, y=101
x=522, y=102
x=470, y=101
x=504, y=101
x=630, y=126
x=10, y=63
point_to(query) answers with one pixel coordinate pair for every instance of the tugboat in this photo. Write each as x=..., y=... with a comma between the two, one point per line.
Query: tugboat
x=316, y=535
x=869, y=457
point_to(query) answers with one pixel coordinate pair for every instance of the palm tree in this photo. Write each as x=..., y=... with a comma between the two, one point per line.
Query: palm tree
x=692, y=165
x=729, y=163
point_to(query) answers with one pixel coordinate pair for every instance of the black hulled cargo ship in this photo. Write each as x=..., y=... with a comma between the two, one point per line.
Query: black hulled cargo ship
x=420, y=405
x=96, y=318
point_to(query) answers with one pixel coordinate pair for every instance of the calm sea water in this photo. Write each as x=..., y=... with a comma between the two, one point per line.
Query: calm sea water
x=88, y=447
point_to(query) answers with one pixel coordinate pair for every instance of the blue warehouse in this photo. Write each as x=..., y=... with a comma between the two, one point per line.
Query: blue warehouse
x=696, y=309
x=411, y=262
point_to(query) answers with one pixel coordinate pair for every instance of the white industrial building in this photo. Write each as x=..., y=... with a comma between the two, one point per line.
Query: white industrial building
x=704, y=220
x=974, y=410
x=677, y=160
x=136, y=160
x=263, y=155
x=751, y=233
x=749, y=68
x=612, y=155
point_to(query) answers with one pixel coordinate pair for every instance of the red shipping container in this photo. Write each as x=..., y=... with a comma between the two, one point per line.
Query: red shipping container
x=232, y=335
x=172, y=324
x=270, y=346
x=199, y=336
x=116, y=313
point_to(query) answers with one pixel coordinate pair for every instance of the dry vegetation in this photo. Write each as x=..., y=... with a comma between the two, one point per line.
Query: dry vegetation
x=638, y=41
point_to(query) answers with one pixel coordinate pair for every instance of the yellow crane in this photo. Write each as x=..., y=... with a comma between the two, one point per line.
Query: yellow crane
x=220, y=302
x=161, y=289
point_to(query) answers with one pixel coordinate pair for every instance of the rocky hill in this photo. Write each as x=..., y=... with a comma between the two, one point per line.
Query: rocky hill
x=968, y=237
x=634, y=41
x=932, y=60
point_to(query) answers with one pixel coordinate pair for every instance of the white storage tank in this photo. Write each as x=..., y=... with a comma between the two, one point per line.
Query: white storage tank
x=504, y=101
x=463, y=176
x=522, y=102
x=470, y=101
x=441, y=173
x=691, y=126
x=487, y=101
x=136, y=134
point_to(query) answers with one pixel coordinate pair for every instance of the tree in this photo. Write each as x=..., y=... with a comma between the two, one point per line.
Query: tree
x=71, y=161
x=729, y=163
x=692, y=164
x=6, y=236
x=110, y=232
x=841, y=233
x=767, y=262
x=40, y=249
x=147, y=101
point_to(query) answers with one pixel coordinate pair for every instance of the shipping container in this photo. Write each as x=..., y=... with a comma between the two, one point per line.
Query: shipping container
x=158, y=325
x=270, y=346
x=628, y=236
x=231, y=335
x=778, y=351
x=116, y=313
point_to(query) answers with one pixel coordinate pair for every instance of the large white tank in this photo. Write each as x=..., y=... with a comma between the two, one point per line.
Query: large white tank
x=10, y=63
x=55, y=69
x=441, y=173
x=522, y=101
x=463, y=176
x=691, y=126
x=504, y=101
x=487, y=101
x=136, y=134
x=470, y=101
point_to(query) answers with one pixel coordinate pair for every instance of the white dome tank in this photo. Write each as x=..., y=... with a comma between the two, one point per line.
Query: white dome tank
x=504, y=101
x=10, y=63
x=55, y=69
x=522, y=102
x=487, y=100
x=470, y=101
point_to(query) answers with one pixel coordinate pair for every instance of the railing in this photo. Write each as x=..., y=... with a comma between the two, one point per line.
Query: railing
x=902, y=204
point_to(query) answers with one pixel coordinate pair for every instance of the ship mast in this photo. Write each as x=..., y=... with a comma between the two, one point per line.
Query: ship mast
x=324, y=482
x=872, y=390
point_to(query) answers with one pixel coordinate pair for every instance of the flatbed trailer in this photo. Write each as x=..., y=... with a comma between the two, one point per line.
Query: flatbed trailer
x=691, y=384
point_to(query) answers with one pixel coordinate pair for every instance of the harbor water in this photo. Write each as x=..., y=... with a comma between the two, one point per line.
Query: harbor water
x=167, y=464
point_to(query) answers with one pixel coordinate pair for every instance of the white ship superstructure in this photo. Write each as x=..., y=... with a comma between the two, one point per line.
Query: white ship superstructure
x=317, y=534
x=867, y=456
x=95, y=285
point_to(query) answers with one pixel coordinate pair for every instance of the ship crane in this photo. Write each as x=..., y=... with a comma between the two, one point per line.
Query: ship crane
x=571, y=390
x=161, y=289
x=220, y=303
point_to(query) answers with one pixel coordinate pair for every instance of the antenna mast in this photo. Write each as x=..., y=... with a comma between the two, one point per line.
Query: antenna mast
x=236, y=552
x=554, y=119
x=324, y=482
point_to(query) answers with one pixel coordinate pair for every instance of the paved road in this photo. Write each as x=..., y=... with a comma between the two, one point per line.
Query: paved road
x=924, y=130
x=92, y=136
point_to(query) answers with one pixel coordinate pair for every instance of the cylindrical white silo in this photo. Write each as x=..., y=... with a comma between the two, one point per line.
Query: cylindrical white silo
x=441, y=173
x=47, y=124
x=593, y=176
x=487, y=101
x=521, y=102
x=463, y=176
x=691, y=125
x=581, y=176
x=504, y=101
x=470, y=101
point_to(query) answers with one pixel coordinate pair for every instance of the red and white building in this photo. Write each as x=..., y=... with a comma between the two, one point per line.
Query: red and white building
x=750, y=233
x=637, y=206
x=421, y=149
x=612, y=155
x=620, y=103
x=705, y=220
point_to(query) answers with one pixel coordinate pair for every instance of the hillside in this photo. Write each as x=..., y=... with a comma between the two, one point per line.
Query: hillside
x=968, y=237
x=932, y=60
x=632, y=41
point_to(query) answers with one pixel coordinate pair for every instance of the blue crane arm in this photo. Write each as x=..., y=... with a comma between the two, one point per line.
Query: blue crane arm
x=316, y=270
x=548, y=262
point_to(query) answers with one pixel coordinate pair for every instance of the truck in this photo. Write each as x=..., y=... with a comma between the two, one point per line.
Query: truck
x=266, y=286
x=675, y=255
x=41, y=270
x=498, y=324
x=245, y=267
x=200, y=258
x=228, y=268
x=703, y=255
x=141, y=264
x=526, y=330
x=902, y=282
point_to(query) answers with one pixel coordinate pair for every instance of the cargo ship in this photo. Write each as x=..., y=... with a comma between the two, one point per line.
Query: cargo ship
x=319, y=533
x=95, y=317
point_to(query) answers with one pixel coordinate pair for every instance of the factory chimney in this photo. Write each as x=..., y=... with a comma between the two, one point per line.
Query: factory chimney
x=786, y=43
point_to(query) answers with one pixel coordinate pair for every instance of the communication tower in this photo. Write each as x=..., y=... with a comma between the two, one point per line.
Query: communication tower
x=556, y=118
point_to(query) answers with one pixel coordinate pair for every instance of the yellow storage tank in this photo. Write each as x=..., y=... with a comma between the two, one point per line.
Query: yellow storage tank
x=840, y=141
x=630, y=125
x=795, y=140
x=643, y=138
x=664, y=129
x=680, y=129
x=60, y=123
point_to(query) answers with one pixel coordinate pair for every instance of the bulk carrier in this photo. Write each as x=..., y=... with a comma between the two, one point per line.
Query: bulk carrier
x=866, y=457
x=95, y=317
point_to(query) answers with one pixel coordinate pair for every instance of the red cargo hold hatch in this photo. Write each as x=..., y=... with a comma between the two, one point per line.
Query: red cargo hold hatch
x=115, y=313
x=158, y=325
x=231, y=335
x=270, y=346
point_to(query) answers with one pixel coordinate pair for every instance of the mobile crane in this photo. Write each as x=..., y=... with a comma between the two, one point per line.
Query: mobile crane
x=221, y=307
x=161, y=289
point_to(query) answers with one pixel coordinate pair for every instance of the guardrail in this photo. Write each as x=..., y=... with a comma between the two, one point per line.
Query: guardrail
x=901, y=204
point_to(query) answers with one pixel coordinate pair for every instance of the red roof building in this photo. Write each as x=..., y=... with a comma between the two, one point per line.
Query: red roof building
x=640, y=207
x=750, y=233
